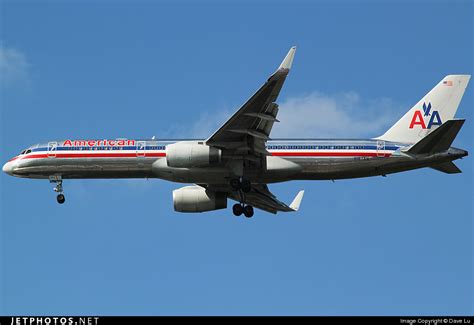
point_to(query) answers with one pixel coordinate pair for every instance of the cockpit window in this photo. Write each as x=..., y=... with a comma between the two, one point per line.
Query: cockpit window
x=23, y=152
x=27, y=151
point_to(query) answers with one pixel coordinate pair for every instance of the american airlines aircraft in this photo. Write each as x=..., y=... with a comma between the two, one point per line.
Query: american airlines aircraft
x=239, y=159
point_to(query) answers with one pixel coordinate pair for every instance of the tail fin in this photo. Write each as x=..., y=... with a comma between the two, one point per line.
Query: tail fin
x=437, y=107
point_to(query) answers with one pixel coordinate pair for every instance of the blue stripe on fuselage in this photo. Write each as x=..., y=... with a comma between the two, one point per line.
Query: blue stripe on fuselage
x=271, y=145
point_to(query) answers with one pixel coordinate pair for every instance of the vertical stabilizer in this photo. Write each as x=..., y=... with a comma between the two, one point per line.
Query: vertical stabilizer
x=435, y=108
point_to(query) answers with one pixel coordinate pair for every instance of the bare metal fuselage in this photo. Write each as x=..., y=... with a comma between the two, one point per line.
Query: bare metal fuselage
x=289, y=160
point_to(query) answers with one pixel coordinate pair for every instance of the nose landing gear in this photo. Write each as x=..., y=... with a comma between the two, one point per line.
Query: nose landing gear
x=58, y=188
x=60, y=198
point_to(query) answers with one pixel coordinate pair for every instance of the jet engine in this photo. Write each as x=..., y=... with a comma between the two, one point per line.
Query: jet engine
x=191, y=154
x=198, y=199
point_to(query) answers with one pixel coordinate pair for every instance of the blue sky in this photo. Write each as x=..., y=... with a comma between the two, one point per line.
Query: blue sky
x=97, y=69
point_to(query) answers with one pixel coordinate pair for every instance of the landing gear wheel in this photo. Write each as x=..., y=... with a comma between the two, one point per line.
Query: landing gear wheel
x=245, y=185
x=248, y=211
x=57, y=179
x=237, y=209
x=235, y=184
x=60, y=198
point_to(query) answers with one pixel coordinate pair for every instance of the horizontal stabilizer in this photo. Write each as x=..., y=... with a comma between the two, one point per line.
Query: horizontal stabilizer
x=447, y=167
x=439, y=140
x=295, y=205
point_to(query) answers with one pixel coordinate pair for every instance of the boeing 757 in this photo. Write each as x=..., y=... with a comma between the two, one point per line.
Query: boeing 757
x=239, y=160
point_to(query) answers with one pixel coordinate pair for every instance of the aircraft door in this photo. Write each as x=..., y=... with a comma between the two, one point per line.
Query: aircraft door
x=141, y=145
x=380, y=148
x=52, y=147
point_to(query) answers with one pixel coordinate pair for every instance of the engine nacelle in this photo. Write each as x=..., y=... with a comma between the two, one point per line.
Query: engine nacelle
x=198, y=199
x=191, y=154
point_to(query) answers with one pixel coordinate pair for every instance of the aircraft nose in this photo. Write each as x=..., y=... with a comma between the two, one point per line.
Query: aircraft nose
x=8, y=168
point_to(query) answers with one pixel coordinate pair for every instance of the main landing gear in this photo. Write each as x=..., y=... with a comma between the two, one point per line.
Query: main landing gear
x=242, y=186
x=58, y=188
x=240, y=208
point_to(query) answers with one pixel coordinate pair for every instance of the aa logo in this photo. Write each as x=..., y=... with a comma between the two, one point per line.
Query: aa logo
x=419, y=118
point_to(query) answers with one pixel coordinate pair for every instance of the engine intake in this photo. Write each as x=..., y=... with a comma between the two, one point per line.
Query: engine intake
x=191, y=154
x=198, y=199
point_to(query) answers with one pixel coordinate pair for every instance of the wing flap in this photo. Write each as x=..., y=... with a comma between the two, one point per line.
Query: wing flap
x=260, y=197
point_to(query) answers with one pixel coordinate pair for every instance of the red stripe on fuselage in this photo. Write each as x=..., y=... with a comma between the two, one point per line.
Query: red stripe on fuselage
x=98, y=155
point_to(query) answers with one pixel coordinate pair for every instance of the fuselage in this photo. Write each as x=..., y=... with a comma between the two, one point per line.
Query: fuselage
x=289, y=159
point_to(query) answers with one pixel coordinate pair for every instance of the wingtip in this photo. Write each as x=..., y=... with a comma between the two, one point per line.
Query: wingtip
x=288, y=60
x=295, y=205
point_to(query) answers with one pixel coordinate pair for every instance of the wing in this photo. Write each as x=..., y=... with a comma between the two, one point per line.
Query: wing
x=260, y=197
x=249, y=128
x=244, y=135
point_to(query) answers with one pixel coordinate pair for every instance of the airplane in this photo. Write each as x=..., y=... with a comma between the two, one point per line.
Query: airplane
x=239, y=160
